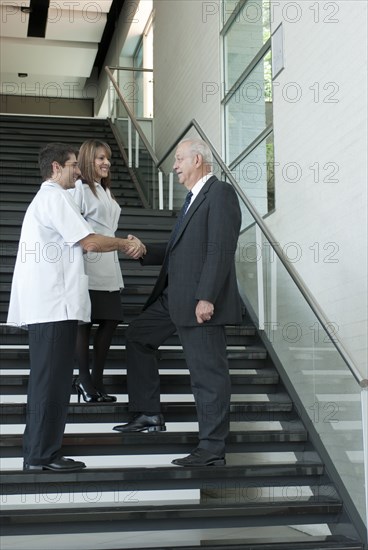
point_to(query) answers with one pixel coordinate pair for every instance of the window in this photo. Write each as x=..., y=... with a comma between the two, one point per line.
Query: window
x=143, y=81
x=247, y=98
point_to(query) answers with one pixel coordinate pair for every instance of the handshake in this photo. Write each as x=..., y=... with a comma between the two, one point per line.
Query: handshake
x=133, y=247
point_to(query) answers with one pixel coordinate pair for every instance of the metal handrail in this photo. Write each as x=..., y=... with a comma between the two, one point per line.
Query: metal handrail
x=131, y=115
x=131, y=69
x=315, y=307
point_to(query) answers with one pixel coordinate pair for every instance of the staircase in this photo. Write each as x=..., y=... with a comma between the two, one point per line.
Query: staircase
x=274, y=493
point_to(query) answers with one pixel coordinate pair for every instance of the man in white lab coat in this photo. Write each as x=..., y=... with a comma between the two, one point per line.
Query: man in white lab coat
x=49, y=296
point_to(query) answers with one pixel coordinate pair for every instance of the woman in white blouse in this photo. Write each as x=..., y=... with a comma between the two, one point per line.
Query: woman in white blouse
x=97, y=205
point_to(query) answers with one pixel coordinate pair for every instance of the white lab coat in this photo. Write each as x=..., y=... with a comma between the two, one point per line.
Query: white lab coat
x=102, y=213
x=49, y=282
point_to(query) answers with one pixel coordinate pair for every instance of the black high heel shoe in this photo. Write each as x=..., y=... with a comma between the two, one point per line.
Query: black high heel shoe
x=87, y=397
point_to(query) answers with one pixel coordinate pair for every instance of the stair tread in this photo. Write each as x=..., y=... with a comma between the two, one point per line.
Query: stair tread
x=159, y=438
x=261, y=376
x=166, y=472
x=227, y=506
x=165, y=353
x=167, y=407
x=289, y=438
x=228, y=542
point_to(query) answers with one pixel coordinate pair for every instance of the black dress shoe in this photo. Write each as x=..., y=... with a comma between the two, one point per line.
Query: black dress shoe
x=143, y=422
x=200, y=457
x=60, y=464
x=106, y=398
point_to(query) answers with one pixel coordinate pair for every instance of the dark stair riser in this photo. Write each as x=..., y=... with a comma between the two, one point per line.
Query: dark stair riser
x=141, y=518
x=235, y=335
x=167, y=477
x=118, y=414
x=105, y=444
x=261, y=381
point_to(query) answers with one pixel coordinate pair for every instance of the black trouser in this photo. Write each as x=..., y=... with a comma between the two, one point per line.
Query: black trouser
x=52, y=353
x=205, y=354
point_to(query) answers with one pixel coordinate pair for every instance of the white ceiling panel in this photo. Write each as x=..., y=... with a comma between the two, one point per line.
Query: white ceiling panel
x=53, y=58
x=87, y=6
x=12, y=4
x=13, y=22
x=75, y=25
x=60, y=64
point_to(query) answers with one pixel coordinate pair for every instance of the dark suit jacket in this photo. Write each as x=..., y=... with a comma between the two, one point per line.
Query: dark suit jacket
x=202, y=264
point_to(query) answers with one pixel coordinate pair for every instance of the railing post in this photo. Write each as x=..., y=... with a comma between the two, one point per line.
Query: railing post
x=364, y=401
x=136, y=149
x=109, y=101
x=130, y=155
x=171, y=191
x=160, y=191
x=273, y=284
x=260, y=285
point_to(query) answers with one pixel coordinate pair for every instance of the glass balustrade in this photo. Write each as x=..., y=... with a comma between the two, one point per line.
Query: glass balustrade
x=328, y=391
x=307, y=347
x=135, y=135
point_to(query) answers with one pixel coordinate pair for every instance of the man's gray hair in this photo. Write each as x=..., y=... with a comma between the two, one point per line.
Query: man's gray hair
x=199, y=147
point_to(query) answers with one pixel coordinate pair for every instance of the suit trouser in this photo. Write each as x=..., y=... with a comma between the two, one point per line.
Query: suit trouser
x=52, y=355
x=205, y=354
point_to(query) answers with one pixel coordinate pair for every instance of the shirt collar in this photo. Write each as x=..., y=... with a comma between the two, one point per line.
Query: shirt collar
x=197, y=187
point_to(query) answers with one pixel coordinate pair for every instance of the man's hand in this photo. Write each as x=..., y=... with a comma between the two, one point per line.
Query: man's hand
x=136, y=248
x=204, y=311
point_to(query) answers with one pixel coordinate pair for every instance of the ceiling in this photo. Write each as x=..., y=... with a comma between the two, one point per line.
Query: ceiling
x=58, y=45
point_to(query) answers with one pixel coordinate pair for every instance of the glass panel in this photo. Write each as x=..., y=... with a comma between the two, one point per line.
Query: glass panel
x=138, y=81
x=247, y=34
x=270, y=168
x=145, y=169
x=139, y=156
x=131, y=87
x=327, y=389
x=249, y=110
x=255, y=175
x=247, y=258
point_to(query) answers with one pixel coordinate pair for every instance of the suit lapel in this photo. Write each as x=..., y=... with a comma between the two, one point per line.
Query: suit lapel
x=194, y=207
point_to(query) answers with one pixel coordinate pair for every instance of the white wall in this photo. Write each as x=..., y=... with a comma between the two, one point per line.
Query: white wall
x=186, y=70
x=320, y=119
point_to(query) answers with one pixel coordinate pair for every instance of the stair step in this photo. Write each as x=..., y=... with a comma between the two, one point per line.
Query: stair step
x=265, y=410
x=16, y=384
x=210, y=540
x=143, y=517
x=227, y=542
x=96, y=444
x=161, y=477
x=235, y=335
x=130, y=311
x=174, y=356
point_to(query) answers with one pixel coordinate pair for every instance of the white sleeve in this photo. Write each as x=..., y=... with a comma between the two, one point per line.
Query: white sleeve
x=65, y=216
x=78, y=196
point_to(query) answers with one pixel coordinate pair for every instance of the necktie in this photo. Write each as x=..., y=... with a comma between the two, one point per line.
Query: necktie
x=175, y=231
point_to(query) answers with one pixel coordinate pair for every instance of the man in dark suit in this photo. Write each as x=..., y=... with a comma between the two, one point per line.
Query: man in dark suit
x=196, y=294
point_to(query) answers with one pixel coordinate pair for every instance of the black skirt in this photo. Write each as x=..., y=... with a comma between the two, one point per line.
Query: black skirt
x=106, y=305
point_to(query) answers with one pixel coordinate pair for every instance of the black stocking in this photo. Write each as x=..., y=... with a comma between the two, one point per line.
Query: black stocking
x=82, y=354
x=101, y=345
